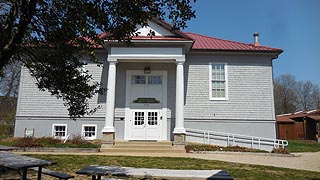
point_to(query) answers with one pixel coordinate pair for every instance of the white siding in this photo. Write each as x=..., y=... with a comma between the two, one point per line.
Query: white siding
x=36, y=103
x=33, y=102
x=249, y=104
x=249, y=88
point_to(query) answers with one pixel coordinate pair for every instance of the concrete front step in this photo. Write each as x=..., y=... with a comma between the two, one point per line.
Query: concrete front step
x=143, y=143
x=140, y=150
x=141, y=147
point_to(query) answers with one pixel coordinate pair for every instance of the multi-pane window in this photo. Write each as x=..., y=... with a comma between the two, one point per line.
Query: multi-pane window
x=89, y=132
x=138, y=118
x=153, y=79
x=138, y=79
x=59, y=130
x=218, y=81
x=146, y=79
x=152, y=118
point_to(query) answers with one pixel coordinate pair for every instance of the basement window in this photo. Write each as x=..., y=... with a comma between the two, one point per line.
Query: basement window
x=59, y=131
x=89, y=131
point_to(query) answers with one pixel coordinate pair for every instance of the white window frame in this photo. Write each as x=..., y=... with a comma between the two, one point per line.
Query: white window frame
x=89, y=138
x=226, y=82
x=53, y=131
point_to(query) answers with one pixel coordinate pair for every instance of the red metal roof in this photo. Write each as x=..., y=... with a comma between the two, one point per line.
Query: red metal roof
x=202, y=42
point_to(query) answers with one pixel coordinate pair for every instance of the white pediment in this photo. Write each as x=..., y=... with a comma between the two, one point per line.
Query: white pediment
x=156, y=28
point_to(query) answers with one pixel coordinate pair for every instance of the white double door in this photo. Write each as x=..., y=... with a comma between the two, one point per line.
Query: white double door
x=146, y=124
x=146, y=101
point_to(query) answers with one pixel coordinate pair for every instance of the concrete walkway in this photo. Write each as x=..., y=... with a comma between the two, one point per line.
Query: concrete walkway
x=302, y=161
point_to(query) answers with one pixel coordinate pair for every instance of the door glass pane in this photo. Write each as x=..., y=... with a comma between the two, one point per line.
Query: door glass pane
x=152, y=118
x=154, y=79
x=138, y=79
x=138, y=118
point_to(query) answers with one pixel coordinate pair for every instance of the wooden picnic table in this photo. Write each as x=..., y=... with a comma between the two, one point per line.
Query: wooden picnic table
x=22, y=163
x=96, y=172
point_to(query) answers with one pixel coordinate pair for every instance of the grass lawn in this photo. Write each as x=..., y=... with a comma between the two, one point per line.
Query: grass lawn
x=72, y=163
x=303, y=146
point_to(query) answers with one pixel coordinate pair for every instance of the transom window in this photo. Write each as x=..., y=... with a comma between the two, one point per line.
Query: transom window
x=218, y=81
x=138, y=79
x=59, y=130
x=146, y=79
x=89, y=132
x=154, y=79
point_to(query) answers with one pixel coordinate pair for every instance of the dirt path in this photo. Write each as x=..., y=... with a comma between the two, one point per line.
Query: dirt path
x=303, y=161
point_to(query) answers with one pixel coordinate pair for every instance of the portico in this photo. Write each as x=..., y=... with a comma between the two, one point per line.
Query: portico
x=157, y=109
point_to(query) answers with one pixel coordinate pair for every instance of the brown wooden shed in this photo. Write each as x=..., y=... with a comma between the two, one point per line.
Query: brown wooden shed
x=303, y=125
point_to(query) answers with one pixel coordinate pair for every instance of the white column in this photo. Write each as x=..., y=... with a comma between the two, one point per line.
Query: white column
x=111, y=92
x=179, y=127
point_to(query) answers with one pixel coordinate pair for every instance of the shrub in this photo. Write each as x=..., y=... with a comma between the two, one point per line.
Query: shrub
x=201, y=147
x=280, y=150
x=74, y=142
x=207, y=147
x=48, y=141
x=28, y=142
x=77, y=139
x=240, y=149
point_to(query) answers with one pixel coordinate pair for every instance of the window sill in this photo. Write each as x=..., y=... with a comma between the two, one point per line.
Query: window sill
x=89, y=138
x=218, y=99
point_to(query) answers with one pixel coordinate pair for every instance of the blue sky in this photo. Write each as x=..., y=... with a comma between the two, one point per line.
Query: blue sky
x=292, y=25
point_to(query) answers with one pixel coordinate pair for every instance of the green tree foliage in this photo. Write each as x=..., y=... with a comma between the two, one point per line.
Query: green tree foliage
x=49, y=37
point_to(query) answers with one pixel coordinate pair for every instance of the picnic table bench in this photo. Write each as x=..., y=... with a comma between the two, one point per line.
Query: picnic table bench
x=56, y=174
x=96, y=172
x=22, y=163
x=7, y=148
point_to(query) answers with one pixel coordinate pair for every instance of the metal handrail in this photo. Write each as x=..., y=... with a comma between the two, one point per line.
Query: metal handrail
x=232, y=138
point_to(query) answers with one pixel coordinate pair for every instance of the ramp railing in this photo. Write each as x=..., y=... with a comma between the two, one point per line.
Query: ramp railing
x=234, y=139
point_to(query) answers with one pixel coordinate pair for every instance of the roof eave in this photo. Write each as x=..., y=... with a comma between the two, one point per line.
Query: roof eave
x=274, y=53
x=187, y=43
